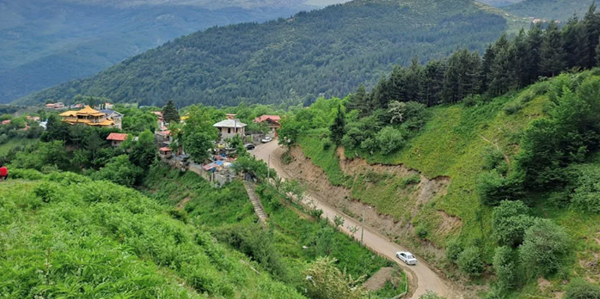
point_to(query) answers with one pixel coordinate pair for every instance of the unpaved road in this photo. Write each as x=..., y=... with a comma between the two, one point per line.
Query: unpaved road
x=423, y=278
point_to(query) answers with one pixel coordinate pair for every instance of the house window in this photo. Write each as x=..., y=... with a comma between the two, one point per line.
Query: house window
x=228, y=130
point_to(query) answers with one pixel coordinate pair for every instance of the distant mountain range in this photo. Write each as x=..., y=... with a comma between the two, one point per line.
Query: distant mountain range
x=47, y=42
x=325, y=52
x=560, y=10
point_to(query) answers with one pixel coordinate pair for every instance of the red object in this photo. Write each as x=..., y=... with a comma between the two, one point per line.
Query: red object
x=165, y=149
x=3, y=171
x=272, y=118
x=117, y=137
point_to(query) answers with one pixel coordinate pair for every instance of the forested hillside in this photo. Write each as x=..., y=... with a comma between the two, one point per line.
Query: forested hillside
x=326, y=52
x=45, y=43
x=550, y=9
x=499, y=171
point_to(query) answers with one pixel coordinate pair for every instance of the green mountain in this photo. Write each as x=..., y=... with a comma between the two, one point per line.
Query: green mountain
x=560, y=10
x=324, y=52
x=45, y=43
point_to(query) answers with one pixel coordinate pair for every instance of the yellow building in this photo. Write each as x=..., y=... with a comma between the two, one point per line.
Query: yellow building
x=87, y=116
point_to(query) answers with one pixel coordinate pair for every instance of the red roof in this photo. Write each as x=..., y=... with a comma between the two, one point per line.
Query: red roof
x=274, y=118
x=6, y=122
x=117, y=137
x=165, y=149
x=165, y=133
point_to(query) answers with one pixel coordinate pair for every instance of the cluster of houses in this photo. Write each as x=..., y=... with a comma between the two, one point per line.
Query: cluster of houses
x=61, y=106
x=29, y=118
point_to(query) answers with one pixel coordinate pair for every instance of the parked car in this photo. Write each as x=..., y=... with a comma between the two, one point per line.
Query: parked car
x=266, y=139
x=249, y=146
x=406, y=257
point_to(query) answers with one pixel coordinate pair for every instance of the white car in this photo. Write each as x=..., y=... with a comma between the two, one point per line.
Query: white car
x=266, y=139
x=406, y=257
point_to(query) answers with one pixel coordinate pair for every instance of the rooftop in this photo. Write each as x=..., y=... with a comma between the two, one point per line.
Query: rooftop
x=275, y=118
x=230, y=123
x=117, y=137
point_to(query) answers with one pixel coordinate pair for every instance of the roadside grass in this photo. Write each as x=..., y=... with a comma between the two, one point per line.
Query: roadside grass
x=218, y=209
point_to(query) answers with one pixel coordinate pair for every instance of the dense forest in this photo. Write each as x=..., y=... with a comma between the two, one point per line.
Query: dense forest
x=325, y=52
x=51, y=42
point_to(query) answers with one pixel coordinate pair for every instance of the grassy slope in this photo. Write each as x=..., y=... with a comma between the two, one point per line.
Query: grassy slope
x=452, y=145
x=96, y=239
x=231, y=206
x=12, y=143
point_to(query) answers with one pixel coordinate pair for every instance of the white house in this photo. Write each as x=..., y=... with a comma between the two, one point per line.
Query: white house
x=230, y=127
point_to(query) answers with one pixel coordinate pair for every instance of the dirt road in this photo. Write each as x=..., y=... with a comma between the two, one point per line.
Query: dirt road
x=423, y=278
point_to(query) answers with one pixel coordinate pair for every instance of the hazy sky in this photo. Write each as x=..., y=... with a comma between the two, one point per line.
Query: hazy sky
x=244, y=3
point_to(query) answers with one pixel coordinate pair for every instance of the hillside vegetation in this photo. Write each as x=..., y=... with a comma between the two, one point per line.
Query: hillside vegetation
x=325, y=52
x=549, y=9
x=45, y=43
x=67, y=236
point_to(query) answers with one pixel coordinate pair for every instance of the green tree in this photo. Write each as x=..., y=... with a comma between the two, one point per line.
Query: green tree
x=502, y=69
x=510, y=220
x=338, y=128
x=598, y=55
x=469, y=261
x=506, y=268
x=119, y=171
x=389, y=140
x=535, y=39
x=325, y=281
x=170, y=113
x=143, y=151
x=545, y=248
x=575, y=43
x=553, y=57
x=591, y=22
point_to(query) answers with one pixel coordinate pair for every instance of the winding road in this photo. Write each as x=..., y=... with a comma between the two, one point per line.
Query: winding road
x=422, y=277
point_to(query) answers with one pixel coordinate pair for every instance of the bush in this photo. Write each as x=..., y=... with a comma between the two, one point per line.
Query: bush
x=505, y=267
x=493, y=187
x=469, y=261
x=46, y=191
x=453, y=250
x=527, y=96
x=513, y=108
x=580, y=289
x=510, y=220
x=412, y=179
x=586, y=196
x=26, y=174
x=422, y=231
x=431, y=295
x=389, y=140
x=545, y=248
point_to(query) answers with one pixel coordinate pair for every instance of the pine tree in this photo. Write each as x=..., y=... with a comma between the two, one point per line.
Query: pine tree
x=170, y=113
x=338, y=128
x=598, y=55
x=575, y=43
x=592, y=27
x=414, y=81
x=486, y=69
x=553, y=53
x=534, y=45
x=502, y=68
x=397, y=85
x=433, y=82
x=520, y=66
x=359, y=101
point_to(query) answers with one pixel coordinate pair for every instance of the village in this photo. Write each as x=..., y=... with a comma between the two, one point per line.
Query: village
x=216, y=169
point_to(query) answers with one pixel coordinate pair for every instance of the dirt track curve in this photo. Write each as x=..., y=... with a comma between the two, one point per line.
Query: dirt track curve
x=422, y=277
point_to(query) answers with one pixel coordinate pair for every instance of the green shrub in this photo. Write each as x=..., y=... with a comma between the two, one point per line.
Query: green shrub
x=46, y=191
x=469, y=261
x=586, y=196
x=26, y=174
x=505, y=266
x=513, y=108
x=510, y=220
x=453, y=250
x=493, y=187
x=422, y=231
x=431, y=295
x=545, y=248
x=389, y=140
x=527, y=96
x=580, y=289
x=410, y=180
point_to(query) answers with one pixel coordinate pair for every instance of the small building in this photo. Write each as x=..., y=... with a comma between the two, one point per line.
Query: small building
x=163, y=138
x=271, y=120
x=33, y=118
x=116, y=139
x=230, y=127
x=165, y=152
x=58, y=105
x=115, y=116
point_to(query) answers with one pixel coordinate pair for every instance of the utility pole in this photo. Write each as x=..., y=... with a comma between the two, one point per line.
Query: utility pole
x=362, y=232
